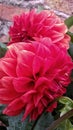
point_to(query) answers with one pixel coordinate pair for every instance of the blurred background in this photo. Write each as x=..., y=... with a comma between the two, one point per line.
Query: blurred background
x=9, y=8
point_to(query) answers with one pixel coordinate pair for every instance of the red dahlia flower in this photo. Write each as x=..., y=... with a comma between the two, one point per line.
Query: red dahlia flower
x=32, y=75
x=33, y=26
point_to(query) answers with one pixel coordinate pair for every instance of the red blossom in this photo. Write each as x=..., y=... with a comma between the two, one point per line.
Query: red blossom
x=32, y=75
x=33, y=26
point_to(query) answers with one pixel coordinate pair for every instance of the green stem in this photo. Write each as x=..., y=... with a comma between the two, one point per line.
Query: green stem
x=57, y=122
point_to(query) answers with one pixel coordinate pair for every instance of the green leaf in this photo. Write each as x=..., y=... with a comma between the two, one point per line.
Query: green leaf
x=3, y=117
x=15, y=123
x=69, y=21
x=66, y=100
x=45, y=120
x=3, y=49
x=71, y=50
x=71, y=35
x=68, y=105
x=1, y=108
x=66, y=125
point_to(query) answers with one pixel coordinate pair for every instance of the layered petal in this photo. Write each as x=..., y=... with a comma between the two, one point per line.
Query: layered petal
x=33, y=75
x=32, y=25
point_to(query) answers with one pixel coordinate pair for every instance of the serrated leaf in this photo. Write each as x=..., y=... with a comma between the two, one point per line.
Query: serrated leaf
x=3, y=49
x=68, y=104
x=65, y=100
x=65, y=110
x=69, y=21
x=66, y=125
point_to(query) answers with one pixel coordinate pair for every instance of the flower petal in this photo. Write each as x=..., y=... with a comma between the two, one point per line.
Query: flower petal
x=8, y=66
x=23, y=84
x=14, y=108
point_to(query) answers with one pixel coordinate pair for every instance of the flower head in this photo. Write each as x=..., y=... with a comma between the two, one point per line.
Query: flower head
x=33, y=26
x=33, y=75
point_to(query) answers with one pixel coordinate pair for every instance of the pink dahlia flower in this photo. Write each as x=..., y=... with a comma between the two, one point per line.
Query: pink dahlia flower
x=33, y=75
x=33, y=26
